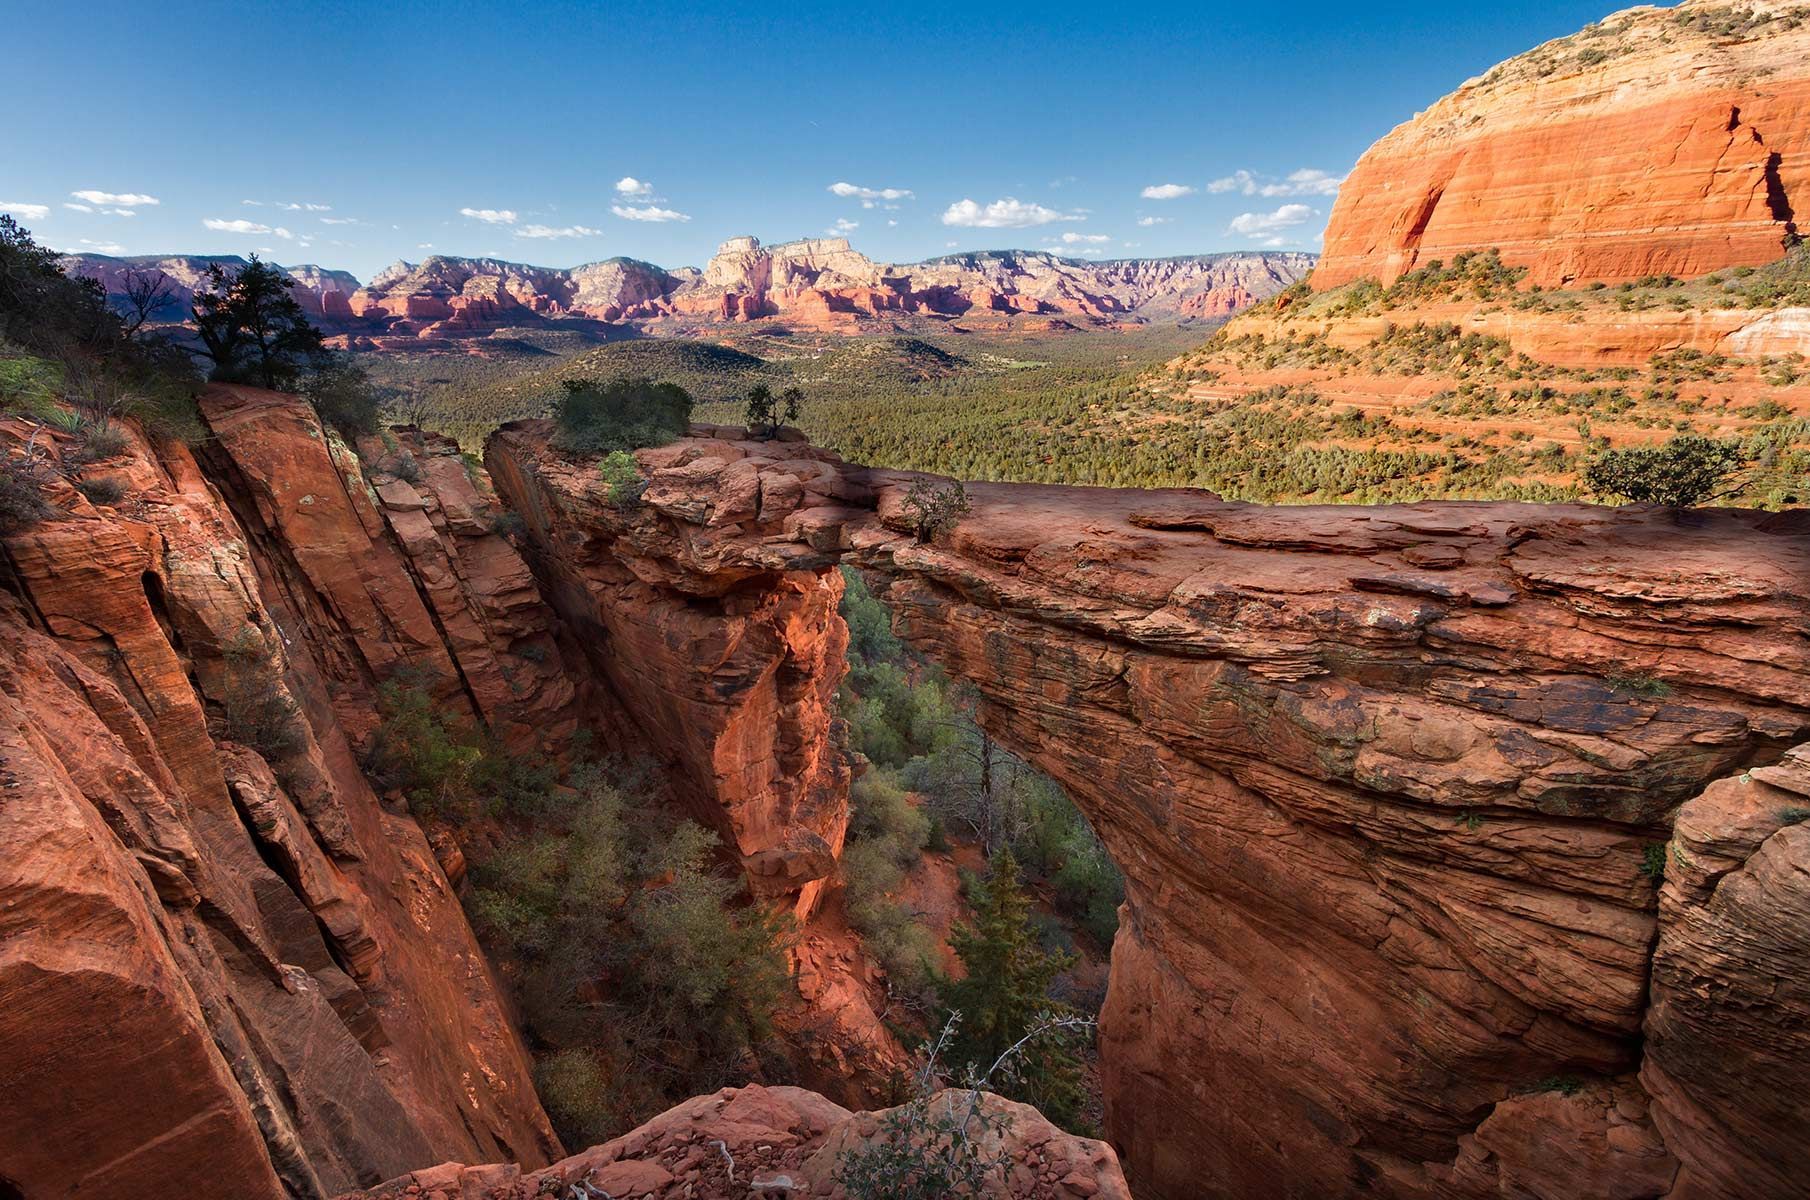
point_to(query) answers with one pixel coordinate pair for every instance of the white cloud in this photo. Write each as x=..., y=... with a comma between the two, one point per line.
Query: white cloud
x=1166, y=191
x=490, y=216
x=1003, y=214
x=890, y=223
x=306, y=207
x=631, y=188
x=283, y=233
x=76, y=207
x=566, y=231
x=339, y=220
x=253, y=203
x=844, y=225
x=104, y=247
x=236, y=226
x=116, y=199
x=1092, y=239
x=1270, y=226
x=31, y=212
x=869, y=197
x=1147, y=222
x=119, y=212
x=647, y=213
x=424, y=245
x=1305, y=182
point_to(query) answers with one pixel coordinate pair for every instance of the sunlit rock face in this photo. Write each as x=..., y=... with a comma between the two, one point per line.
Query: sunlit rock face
x=231, y=972
x=1390, y=786
x=1660, y=141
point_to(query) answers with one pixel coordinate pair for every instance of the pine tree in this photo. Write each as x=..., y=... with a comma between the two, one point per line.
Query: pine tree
x=252, y=329
x=1004, y=991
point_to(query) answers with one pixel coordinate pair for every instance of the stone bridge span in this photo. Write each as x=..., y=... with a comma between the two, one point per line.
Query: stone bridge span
x=1392, y=789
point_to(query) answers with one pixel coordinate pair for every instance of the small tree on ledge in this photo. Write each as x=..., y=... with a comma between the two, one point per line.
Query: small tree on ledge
x=766, y=412
x=933, y=509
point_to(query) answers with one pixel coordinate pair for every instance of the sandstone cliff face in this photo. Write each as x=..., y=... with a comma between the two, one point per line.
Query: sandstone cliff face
x=1387, y=787
x=1658, y=141
x=725, y=657
x=232, y=972
x=778, y=1141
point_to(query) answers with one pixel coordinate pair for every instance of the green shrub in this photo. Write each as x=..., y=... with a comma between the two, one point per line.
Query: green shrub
x=258, y=710
x=22, y=502
x=575, y=1091
x=622, y=480
x=637, y=963
x=622, y=414
x=1687, y=470
x=104, y=490
x=419, y=753
x=933, y=508
x=343, y=396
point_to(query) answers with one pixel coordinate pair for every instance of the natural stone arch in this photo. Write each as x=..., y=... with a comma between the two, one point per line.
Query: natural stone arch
x=1384, y=783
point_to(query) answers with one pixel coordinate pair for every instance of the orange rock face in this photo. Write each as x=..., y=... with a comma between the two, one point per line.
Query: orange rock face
x=231, y=972
x=1386, y=786
x=725, y=655
x=1661, y=141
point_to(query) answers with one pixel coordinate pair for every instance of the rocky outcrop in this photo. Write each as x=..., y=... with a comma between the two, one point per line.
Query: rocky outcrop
x=1659, y=141
x=778, y=1141
x=1388, y=786
x=726, y=663
x=230, y=970
x=1728, y=1049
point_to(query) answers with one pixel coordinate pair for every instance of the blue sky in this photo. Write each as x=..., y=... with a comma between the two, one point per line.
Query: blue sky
x=564, y=133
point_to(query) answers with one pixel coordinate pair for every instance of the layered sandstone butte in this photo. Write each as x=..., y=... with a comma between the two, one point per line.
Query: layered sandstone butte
x=774, y=1141
x=231, y=971
x=1660, y=141
x=1390, y=788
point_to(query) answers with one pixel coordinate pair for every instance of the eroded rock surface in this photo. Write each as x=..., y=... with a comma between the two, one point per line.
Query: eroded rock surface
x=1386, y=784
x=229, y=970
x=772, y=1141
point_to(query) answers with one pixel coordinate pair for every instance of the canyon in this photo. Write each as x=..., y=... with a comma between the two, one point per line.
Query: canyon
x=815, y=284
x=1388, y=787
x=1466, y=844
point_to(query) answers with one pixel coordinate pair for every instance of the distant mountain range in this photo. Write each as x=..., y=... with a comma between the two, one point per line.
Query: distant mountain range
x=819, y=284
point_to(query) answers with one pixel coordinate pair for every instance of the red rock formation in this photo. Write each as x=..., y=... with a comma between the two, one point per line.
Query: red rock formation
x=1659, y=141
x=758, y=1141
x=226, y=975
x=820, y=284
x=726, y=656
x=1383, y=782
x=1728, y=1049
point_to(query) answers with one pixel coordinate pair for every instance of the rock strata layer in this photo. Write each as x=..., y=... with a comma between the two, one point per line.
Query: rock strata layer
x=1659, y=141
